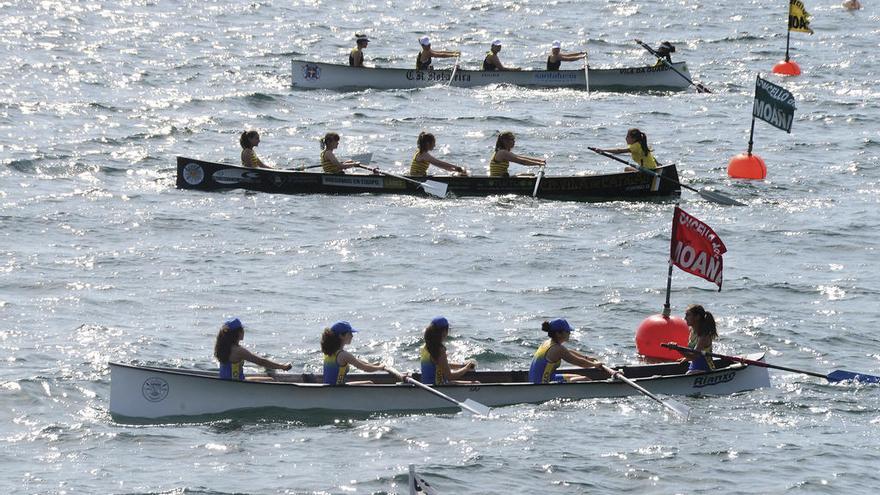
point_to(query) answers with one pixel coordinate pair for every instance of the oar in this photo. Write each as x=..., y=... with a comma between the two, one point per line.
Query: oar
x=363, y=159
x=834, y=376
x=676, y=407
x=707, y=195
x=700, y=87
x=586, y=71
x=454, y=68
x=431, y=187
x=468, y=405
x=538, y=181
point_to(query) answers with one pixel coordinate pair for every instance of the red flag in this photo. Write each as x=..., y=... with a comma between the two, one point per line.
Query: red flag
x=695, y=247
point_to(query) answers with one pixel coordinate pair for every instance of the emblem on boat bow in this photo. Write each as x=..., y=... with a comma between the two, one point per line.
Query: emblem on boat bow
x=311, y=72
x=193, y=174
x=155, y=389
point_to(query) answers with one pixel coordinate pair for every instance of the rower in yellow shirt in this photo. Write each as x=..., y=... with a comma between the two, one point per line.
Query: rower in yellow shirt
x=637, y=147
x=423, y=158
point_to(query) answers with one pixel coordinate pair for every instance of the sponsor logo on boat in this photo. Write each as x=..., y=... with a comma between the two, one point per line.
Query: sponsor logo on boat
x=236, y=176
x=193, y=174
x=642, y=70
x=435, y=76
x=709, y=380
x=553, y=75
x=352, y=181
x=311, y=72
x=155, y=389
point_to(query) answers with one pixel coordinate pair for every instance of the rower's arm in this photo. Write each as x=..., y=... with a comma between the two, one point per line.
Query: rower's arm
x=242, y=354
x=571, y=57
x=527, y=160
x=440, y=163
x=579, y=359
x=616, y=151
x=348, y=358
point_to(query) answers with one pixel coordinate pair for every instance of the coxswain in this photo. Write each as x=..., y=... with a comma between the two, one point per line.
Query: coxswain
x=702, y=331
x=249, y=140
x=663, y=52
x=329, y=163
x=637, y=146
x=852, y=5
x=556, y=57
x=492, y=62
x=551, y=353
x=423, y=159
x=356, y=55
x=501, y=158
x=426, y=55
x=436, y=368
x=337, y=360
x=230, y=353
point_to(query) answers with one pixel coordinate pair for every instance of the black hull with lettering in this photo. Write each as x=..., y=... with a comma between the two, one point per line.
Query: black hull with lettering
x=209, y=176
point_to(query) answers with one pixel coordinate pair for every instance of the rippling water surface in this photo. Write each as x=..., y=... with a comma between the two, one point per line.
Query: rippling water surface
x=103, y=259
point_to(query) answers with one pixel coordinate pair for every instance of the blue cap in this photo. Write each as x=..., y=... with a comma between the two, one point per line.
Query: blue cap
x=342, y=327
x=233, y=324
x=560, y=325
x=440, y=322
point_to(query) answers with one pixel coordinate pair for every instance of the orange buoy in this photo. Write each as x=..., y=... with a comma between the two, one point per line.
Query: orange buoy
x=746, y=166
x=787, y=68
x=659, y=329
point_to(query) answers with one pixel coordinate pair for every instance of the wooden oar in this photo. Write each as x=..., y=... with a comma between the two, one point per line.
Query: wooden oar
x=538, y=181
x=707, y=195
x=431, y=187
x=468, y=405
x=676, y=407
x=834, y=376
x=700, y=87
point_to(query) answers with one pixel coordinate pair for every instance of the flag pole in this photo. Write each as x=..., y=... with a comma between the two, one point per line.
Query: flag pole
x=787, y=42
x=751, y=136
x=667, y=310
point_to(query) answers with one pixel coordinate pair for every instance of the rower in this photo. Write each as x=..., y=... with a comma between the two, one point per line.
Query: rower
x=436, y=369
x=356, y=56
x=230, y=353
x=551, y=353
x=702, y=331
x=425, y=56
x=663, y=53
x=492, y=62
x=556, y=57
x=637, y=147
x=501, y=158
x=337, y=360
x=249, y=140
x=423, y=159
x=329, y=163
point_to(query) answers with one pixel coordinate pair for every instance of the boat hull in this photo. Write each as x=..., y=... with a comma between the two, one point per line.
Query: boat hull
x=210, y=176
x=319, y=75
x=153, y=393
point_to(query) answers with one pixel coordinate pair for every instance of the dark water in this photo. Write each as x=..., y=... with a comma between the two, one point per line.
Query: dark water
x=103, y=259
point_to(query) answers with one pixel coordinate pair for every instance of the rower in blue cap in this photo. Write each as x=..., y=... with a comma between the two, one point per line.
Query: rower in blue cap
x=337, y=360
x=550, y=355
x=436, y=369
x=232, y=355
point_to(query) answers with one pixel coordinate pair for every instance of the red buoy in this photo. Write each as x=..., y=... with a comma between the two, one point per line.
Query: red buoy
x=745, y=166
x=787, y=68
x=659, y=329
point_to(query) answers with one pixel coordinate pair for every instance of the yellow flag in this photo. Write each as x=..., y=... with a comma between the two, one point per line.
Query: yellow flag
x=798, y=17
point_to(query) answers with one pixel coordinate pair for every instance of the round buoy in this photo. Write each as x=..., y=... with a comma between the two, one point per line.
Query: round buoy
x=659, y=329
x=787, y=68
x=745, y=166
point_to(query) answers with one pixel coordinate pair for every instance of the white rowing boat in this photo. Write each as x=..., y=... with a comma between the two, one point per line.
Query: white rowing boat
x=319, y=75
x=151, y=393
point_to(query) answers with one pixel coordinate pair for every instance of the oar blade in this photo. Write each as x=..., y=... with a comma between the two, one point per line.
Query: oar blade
x=842, y=375
x=435, y=188
x=719, y=198
x=363, y=158
x=683, y=411
x=476, y=407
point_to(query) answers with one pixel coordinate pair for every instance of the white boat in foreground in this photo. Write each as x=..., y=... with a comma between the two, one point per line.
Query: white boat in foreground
x=319, y=75
x=153, y=393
